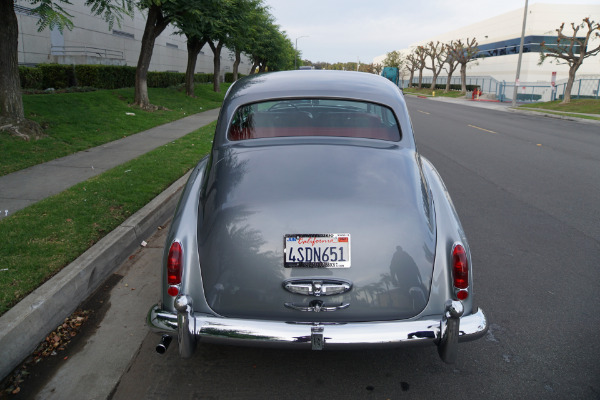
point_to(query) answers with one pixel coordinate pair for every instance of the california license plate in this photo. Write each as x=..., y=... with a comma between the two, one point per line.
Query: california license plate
x=325, y=250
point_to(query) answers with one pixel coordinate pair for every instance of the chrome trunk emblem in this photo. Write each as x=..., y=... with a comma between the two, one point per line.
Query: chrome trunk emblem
x=317, y=287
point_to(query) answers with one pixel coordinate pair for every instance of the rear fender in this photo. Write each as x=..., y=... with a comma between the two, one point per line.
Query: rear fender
x=184, y=230
x=449, y=231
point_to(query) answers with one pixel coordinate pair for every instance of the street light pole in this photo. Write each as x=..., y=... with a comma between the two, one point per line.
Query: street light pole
x=296, y=55
x=514, y=99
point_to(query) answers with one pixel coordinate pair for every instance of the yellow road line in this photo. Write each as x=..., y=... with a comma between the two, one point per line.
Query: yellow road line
x=481, y=129
x=424, y=112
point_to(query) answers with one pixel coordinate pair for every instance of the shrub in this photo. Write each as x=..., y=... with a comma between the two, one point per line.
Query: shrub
x=105, y=76
x=99, y=76
x=165, y=79
x=203, y=78
x=57, y=76
x=229, y=77
x=31, y=78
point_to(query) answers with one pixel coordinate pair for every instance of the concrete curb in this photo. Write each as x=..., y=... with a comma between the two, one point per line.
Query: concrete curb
x=25, y=325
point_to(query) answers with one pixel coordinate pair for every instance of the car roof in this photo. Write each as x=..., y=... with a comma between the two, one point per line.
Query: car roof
x=319, y=83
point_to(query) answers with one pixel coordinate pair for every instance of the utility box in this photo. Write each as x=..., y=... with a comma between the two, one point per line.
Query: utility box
x=392, y=74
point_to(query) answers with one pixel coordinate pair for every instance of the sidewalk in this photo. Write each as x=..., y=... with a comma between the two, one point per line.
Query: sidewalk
x=24, y=326
x=23, y=188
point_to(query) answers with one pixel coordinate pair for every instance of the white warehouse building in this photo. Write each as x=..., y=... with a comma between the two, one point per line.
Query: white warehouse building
x=499, y=38
x=92, y=42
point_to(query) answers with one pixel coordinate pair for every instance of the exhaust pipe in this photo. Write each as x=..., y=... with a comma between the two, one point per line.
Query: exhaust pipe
x=165, y=341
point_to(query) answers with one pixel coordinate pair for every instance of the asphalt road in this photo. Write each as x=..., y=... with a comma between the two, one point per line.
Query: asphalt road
x=527, y=189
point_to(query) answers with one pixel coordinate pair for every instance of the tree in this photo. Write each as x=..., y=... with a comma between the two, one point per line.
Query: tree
x=194, y=46
x=257, y=39
x=225, y=23
x=160, y=15
x=189, y=23
x=369, y=68
x=394, y=59
x=254, y=13
x=571, y=50
x=463, y=53
x=412, y=64
x=270, y=48
x=452, y=65
x=377, y=68
x=280, y=54
x=437, y=55
x=421, y=56
x=51, y=15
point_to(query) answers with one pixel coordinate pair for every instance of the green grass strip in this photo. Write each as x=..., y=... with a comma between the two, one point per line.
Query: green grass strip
x=79, y=121
x=38, y=241
x=562, y=114
x=429, y=92
x=584, y=106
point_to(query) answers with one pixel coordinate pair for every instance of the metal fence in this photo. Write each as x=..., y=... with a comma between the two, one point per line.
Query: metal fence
x=586, y=87
x=486, y=83
x=583, y=88
x=86, y=51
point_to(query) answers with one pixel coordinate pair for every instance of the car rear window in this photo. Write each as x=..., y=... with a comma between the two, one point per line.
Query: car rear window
x=314, y=117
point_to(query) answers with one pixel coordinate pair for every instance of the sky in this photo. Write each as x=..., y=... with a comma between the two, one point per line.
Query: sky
x=360, y=30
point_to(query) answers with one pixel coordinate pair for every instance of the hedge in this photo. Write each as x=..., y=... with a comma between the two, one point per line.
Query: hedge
x=31, y=78
x=60, y=76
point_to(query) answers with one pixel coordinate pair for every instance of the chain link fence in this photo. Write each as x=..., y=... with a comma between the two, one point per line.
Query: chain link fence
x=486, y=83
x=585, y=87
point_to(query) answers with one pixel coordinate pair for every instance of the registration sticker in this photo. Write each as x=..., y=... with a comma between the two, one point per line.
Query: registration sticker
x=323, y=250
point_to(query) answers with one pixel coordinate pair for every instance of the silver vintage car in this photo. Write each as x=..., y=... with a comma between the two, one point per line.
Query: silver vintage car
x=314, y=223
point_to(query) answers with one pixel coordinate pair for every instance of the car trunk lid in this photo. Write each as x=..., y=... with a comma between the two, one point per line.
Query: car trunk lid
x=256, y=198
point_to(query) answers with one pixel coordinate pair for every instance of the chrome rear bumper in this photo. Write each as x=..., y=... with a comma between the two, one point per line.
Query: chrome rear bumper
x=445, y=332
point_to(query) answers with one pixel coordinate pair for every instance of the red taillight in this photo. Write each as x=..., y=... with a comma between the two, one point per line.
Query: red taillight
x=174, y=264
x=460, y=267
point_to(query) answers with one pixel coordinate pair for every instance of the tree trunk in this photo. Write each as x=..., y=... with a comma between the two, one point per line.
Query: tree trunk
x=236, y=64
x=194, y=46
x=567, y=95
x=463, y=78
x=433, y=81
x=11, y=103
x=216, y=64
x=254, y=66
x=412, y=75
x=448, y=82
x=420, y=79
x=155, y=24
x=450, y=73
x=12, y=114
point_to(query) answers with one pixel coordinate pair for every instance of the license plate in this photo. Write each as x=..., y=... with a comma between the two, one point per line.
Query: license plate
x=326, y=250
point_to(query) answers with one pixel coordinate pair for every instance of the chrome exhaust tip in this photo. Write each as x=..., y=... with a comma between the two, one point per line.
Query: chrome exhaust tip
x=165, y=341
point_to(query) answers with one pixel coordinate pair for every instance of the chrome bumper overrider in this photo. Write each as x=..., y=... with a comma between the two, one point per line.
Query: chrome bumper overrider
x=444, y=332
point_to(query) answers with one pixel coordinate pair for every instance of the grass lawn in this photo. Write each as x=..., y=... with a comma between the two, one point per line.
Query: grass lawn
x=38, y=241
x=584, y=106
x=78, y=121
x=429, y=92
